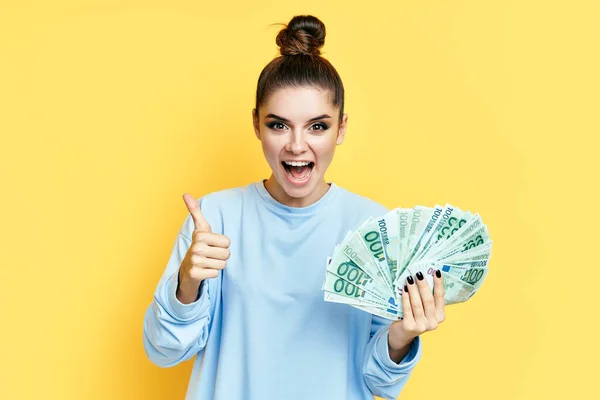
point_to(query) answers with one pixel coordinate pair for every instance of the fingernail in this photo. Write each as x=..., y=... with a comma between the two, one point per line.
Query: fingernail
x=406, y=288
x=419, y=276
x=438, y=273
x=410, y=280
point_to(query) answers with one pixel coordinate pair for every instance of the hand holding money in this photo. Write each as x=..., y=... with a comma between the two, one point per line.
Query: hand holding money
x=206, y=256
x=369, y=269
x=423, y=311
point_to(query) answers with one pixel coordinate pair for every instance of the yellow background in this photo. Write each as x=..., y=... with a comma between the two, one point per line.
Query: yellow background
x=110, y=110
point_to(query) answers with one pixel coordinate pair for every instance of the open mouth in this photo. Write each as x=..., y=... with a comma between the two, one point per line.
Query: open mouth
x=298, y=170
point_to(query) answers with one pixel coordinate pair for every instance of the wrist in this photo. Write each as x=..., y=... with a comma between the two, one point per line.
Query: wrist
x=399, y=340
x=398, y=348
x=187, y=290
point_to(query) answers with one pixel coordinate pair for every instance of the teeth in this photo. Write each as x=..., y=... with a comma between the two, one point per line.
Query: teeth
x=297, y=163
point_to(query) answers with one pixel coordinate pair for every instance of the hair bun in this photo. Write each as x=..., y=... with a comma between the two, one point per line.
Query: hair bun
x=304, y=34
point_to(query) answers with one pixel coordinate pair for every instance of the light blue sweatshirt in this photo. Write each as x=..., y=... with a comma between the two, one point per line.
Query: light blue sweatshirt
x=261, y=329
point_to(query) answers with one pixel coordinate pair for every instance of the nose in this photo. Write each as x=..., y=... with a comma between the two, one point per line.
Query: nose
x=297, y=143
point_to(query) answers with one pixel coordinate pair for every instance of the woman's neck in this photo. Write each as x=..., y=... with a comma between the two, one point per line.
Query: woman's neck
x=277, y=192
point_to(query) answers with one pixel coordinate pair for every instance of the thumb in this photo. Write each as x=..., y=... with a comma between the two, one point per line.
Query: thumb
x=200, y=223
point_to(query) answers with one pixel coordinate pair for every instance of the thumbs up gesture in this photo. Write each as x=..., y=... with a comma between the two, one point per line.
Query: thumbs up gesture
x=206, y=256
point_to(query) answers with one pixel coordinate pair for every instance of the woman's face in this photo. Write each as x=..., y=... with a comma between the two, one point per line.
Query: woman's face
x=299, y=130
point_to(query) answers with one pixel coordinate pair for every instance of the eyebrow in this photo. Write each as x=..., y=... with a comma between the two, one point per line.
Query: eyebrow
x=287, y=120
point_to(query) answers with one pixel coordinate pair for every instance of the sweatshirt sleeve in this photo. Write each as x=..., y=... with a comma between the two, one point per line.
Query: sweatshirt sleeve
x=174, y=332
x=383, y=376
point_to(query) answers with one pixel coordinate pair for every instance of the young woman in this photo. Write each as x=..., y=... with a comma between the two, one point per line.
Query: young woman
x=242, y=288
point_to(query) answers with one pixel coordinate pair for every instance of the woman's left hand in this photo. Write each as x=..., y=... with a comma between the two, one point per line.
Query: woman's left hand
x=423, y=311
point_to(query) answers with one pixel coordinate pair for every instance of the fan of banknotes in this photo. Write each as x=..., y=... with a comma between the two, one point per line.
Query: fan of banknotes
x=369, y=268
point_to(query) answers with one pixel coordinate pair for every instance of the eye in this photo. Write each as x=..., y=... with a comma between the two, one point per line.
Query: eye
x=322, y=126
x=276, y=125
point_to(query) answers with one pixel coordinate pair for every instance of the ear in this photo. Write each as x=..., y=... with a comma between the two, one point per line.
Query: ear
x=255, y=123
x=342, y=130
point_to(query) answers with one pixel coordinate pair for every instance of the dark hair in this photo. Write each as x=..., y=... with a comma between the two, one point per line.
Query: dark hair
x=300, y=62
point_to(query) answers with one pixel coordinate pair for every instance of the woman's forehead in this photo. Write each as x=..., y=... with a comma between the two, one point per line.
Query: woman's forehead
x=299, y=103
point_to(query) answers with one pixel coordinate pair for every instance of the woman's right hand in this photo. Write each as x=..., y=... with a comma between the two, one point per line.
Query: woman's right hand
x=206, y=256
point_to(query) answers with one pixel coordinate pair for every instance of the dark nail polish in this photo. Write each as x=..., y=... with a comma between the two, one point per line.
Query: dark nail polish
x=406, y=288
x=438, y=273
x=419, y=276
x=410, y=280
